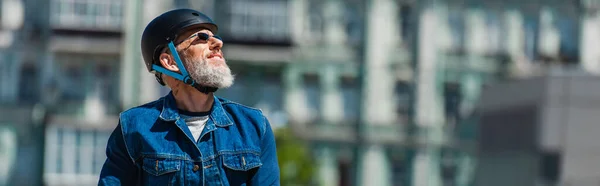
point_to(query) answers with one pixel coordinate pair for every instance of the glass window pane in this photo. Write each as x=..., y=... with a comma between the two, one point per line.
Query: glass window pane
x=87, y=14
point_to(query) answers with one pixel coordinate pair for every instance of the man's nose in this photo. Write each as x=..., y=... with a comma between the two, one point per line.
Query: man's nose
x=215, y=44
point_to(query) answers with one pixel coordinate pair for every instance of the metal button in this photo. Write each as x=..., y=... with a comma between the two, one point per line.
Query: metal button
x=196, y=167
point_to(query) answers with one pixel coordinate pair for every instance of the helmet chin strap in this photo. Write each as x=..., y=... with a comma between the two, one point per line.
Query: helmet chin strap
x=184, y=76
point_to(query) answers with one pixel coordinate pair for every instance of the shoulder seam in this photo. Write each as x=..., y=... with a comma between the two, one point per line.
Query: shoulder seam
x=125, y=142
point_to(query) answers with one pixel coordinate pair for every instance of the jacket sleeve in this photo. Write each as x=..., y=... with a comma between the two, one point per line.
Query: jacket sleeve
x=119, y=167
x=268, y=173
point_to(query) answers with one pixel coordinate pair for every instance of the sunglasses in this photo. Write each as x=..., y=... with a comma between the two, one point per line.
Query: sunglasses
x=200, y=36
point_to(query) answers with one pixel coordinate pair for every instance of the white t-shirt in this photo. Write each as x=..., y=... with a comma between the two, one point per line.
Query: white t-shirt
x=195, y=122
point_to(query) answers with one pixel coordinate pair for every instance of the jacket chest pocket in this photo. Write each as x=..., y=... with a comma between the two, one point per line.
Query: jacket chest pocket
x=161, y=171
x=241, y=166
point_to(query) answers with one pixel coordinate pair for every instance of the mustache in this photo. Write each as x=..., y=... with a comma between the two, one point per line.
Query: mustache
x=214, y=54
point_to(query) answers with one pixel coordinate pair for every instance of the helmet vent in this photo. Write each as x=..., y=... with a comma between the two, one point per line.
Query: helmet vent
x=194, y=13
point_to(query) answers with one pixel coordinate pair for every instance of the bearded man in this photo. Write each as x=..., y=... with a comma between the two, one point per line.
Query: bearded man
x=190, y=136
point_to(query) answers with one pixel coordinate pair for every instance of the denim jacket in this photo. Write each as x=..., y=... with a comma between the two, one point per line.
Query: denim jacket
x=152, y=145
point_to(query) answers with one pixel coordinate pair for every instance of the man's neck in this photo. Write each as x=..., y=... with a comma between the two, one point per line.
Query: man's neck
x=191, y=100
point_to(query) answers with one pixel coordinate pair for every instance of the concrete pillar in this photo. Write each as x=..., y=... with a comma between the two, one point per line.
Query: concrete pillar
x=445, y=40
x=331, y=99
x=334, y=28
x=10, y=43
x=476, y=47
x=515, y=34
x=471, y=82
x=295, y=99
x=465, y=169
x=515, y=42
x=476, y=30
x=378, y=86
x=549, y=43
x=298, y=10
x=8, y=152
x=376, y=167
x=590, y=37
x=94, y=108
x=429, y=108
x=426, y=165
x=379, y=82
x=328, y=173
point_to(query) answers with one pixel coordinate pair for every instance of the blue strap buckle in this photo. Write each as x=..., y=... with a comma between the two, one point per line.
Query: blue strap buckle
x=184, y=76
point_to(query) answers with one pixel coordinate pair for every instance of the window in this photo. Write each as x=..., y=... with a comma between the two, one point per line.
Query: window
x=350, y=88
x=402, y=95
x=312, y=91
x=550, y=168
x=494, y=30
x=457, y=27
x=87, y=14
x=569, y=30
x=252, y=20
x=29, y=84
x=81, y=76
x=271, y=97
x=452, y=101
x=316, y=20
x=407, y=24
x=531, y=39
x=353, y=23
x=74, y=155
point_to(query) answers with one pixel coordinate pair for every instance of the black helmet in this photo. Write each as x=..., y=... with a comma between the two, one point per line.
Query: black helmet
x=165, y=28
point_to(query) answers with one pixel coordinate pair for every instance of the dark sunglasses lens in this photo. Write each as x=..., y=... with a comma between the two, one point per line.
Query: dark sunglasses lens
x=203, y=36
x=218, y=37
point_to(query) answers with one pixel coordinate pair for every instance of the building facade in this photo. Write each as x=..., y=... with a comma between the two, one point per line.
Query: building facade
x=385, y=91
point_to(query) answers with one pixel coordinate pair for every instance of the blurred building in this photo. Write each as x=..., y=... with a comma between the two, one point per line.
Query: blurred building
x=66, y=57
x=410, y=72
x=552, y=124
x=80, y=78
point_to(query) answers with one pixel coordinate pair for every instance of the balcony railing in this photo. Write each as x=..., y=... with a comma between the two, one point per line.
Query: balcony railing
x=74, y=156
x=254, y=21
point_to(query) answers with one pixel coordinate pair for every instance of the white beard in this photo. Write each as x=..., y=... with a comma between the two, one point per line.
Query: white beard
x=208, y=75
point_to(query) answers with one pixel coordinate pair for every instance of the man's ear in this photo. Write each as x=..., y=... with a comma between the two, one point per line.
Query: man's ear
x=168, y=62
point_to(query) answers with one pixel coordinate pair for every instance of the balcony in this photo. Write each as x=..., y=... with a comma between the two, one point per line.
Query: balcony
x=85, y=85
x=289, y=30
x=74, y=155
x=328, y=31
x=87, y=15
x=254, y=22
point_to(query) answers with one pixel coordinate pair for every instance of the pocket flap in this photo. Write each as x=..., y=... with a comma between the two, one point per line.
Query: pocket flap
x=241, y=161
x=160, y=166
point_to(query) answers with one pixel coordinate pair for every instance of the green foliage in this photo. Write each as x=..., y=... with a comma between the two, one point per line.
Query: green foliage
x=295, y=162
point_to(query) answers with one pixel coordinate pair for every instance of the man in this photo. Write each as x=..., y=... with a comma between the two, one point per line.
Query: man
x=189, y=137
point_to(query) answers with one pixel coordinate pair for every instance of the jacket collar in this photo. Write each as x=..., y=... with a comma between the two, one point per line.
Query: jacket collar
x=218, y=115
